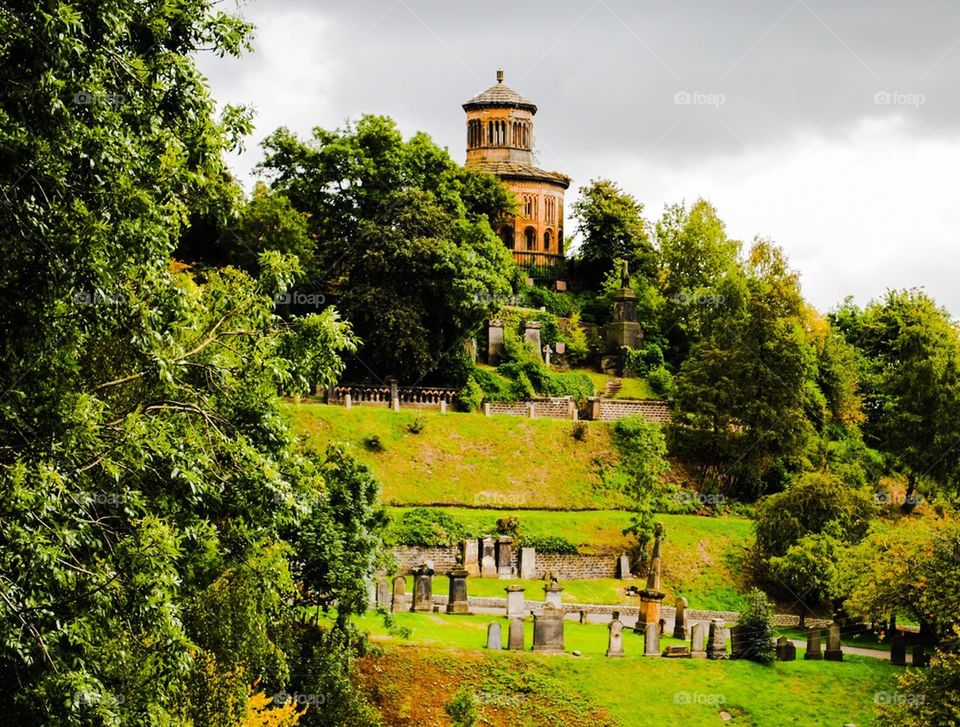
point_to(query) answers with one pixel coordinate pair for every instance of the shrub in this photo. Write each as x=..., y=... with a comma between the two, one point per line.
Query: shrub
x=417, y=425
x=428, y=527
x=661, y=381
x=471, y=396
x=579, y=431
x=462, y=709
x=641, y=361
x=374, y=443
x=555, y=544
x=509, y=525
x=756, y=628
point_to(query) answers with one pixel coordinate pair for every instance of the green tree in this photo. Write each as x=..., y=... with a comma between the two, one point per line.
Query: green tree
x=756, y=628
x=642, y=449
x=612, y=227
x=925, y=697
x=808, y=568
x=398, y=250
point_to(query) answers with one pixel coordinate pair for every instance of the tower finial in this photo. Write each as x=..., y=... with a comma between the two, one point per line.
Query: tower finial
x=499, y=75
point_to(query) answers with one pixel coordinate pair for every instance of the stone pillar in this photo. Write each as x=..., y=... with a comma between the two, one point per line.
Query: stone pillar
x=401, y=599
x=532, y=409
x=680, y=620
x=515, y=635
x=394, y=390
x=786, y=651
x=738, y=646
x=443, y=406
x=623, y=567
x=515, y=602
x=383, y=593
x=423, y=589
x=595, y=409
x=471, y=557
x=457, y=601
x=347, y=402
x=494, y=636
x=488, y=563
x=651, y=640
x=834, y=650
x=698, y=648
x=528, y=563
x=494, y=342
x=615, y=639
x=505, y=557
x=548, y=630
x=553, y=594
x=898, y=650
x=395, y=404
x=717, y=643
x=531, y=333
x=486, y=409
x=813, y=652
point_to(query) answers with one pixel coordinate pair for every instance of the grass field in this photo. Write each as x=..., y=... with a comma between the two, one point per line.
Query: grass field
x=414, y=679
x=469, y=459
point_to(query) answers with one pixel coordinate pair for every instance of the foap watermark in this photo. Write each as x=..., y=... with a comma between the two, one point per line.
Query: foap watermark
x=282, y=698
x=95, y=297
x=496, y=299
x=898, y=698
x=86, y=697
x=899, y=98
x=710, y=700
x=893, y=498
x=707, y=299
x=106, y=499
x=699, y=98
x=296, y=297
x=699, y=498
x=499, y=499
x=97, y=98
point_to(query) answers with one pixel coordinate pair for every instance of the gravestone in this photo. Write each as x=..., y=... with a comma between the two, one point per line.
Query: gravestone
x=401, y=599
x=717, y=641
x=786, y=651
x=583, y=617
x=531, y=333
x=553, y=594
x=528, y=563
x=834, y=650
x=505, y=557
x=423, y=589
x=623, y=567
x=494, y=636
x=813, y=646
x=494, y=342
x=676, y=652
x=348, y=402
x=488, y=564
x=662, y=625
x=515, y=635
x=383, y=593
x=698, y=640
x=615, y=639
x=898, y=650
x=921, y=657
x=680, y=620
x=651, y=640
x=471, y=557
x=457, y=601
x=548, y=630
x=737, y=642
x=515, y=602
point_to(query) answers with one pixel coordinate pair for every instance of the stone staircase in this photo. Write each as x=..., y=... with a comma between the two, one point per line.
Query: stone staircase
x=612, y=388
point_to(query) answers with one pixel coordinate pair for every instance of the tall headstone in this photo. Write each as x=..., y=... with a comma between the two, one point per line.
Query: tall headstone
x=515, y=602
x=898, y=650
x=548, y=630
x=494, y=636
x=737, y=645
x=717, y=642
x=457, y=601
x=786, y=651
x=401, y=599
x=615, y=639
x=423, y=589
x=347, y=402
x=488, y=563
x=528, y=563
x=515, y=635
x=680, y=620
x=834, y=650
x=813, y=652
x=383, y=593
x=698, y=641
x=623, y=567
x=495, y=347
x=505, y=557
x=651, y=640
x=531, y=333
x=553, y=594
x=471, y=557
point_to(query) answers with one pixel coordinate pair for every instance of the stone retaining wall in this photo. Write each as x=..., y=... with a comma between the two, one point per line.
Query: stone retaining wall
x=552, y=408
x=653, y=410
x=565, y=567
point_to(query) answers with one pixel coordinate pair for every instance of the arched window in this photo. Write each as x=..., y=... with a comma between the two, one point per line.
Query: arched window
x=560, y=241
x=489, y=132
x=528, y=206
x=546, y=240
x=506, y=234
x=531, y=237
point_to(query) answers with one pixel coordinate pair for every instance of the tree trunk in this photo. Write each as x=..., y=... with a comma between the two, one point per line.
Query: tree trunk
x=909, y=503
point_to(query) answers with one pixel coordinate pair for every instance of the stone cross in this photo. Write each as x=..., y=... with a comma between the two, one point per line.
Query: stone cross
x=717, y=642
x=651, y=640
x=515, y=635
x=680, y=620
x=698, y=649
x=548, y=630
x=786, y=651
x=834, y=651
x=615, y=639
x=494, y=636
x=813, y=652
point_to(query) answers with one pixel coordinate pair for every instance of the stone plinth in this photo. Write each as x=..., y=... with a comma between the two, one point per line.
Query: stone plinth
x=515, y=602
x=717, y=642
x=457, y=601
x=553, y=594
x=649, y=609
x=615, y=639
x=813, y=652
x=834, y=650
x=548, y=630
x=423, y=589
x=651, y=640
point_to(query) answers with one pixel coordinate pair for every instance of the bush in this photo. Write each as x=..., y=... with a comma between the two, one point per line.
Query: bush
x=462, y=709
x=374, y=443
x=417, y=425
x=661, y=381
x=555, y=544
x=641, y=361
x=428, y=527
x=756, y=628
x=579, y=431
x=471, y=396
x=509, y=525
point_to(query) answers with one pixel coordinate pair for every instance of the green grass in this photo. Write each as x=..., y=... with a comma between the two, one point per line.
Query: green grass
x=637, y=690
x=701, y=555
x=469, y=459
x=632, y=388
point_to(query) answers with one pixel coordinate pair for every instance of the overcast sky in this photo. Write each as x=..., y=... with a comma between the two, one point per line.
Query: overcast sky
x=831, y=128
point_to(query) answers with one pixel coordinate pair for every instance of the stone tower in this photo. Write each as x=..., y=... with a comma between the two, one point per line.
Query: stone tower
x=500, y=141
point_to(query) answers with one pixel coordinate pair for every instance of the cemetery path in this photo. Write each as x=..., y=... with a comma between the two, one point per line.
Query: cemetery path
x=858, y=650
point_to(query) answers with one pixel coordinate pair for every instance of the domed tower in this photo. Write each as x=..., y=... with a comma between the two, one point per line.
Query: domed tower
x=500, y=141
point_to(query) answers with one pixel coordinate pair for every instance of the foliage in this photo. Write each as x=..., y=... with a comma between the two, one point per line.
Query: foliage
x=462, y=709
x=509, y=525
x=641, y=361
x=524, y=366
x=417, y=425
x=757, y=629
x=310, y=343
x=929, y=696
x=806, y=507
x=642, y=450
x=407, y=262
x=549, y=544
x=808, y=568
x=579, y=431
x=263, y=712
x=662, y=382
x=471, y=396
x=427, y=527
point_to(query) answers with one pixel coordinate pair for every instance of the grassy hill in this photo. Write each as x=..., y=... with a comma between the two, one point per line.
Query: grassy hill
x=469, y=459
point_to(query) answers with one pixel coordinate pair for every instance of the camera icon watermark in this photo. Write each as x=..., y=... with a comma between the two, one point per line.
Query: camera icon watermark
x=282, y=698
x=899, y=98
x=890, y=498
x=97, y=98
x=898, y=698
x=699, y=98
x=295, y=297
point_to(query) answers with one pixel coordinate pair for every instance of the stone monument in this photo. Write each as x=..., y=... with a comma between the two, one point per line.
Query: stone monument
x=471, y=557
x=680, y=620
x=651, y=596
x=548, y=630
x=528, y=563
x=423, y=589
x=488, y=563
x=401, y=599
x=813, y=652
x=515, y=635
x=457, y=601
x=651, y=640
x=834, y=650
x=505, y=557
x=495, y=347
x=623, y=567
x=698, y=641
x=553, y=594
x=786, y=651
x=717, y=642
x=494, y=636
x=515, y=602
x=898, y=650
x=624, y=329
x=615, y=639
